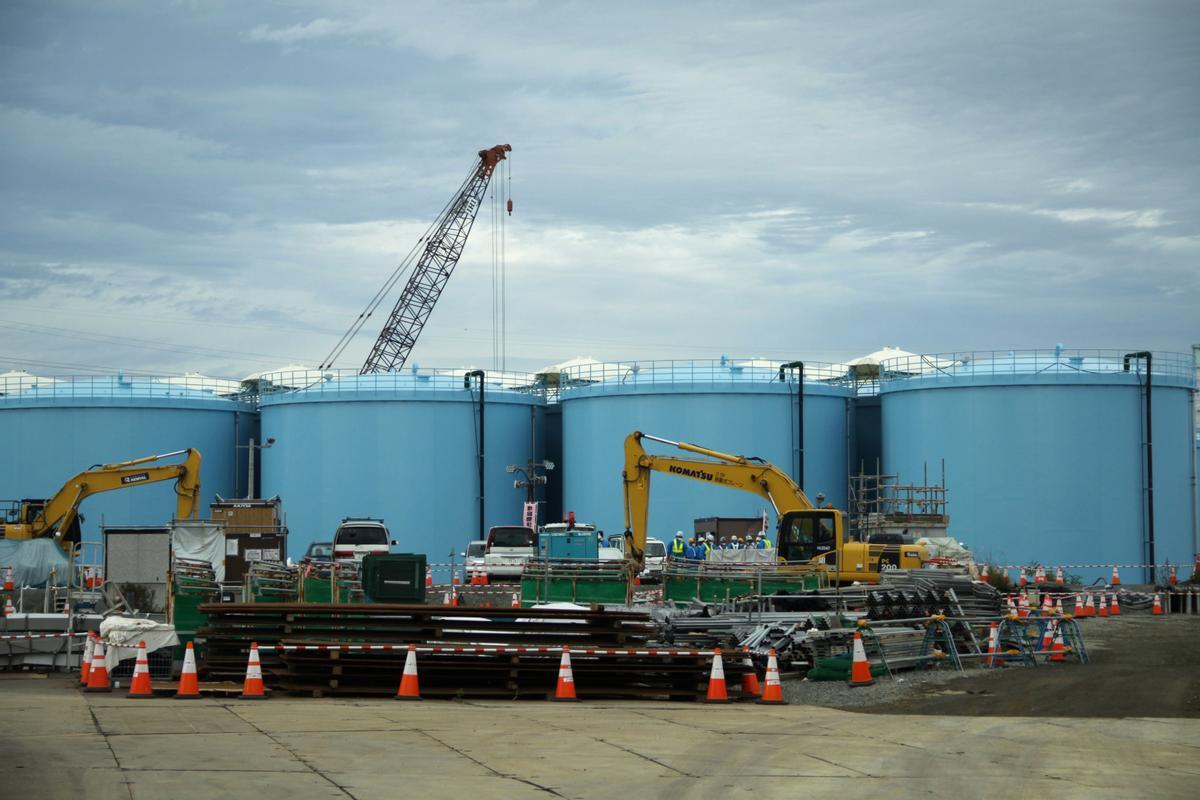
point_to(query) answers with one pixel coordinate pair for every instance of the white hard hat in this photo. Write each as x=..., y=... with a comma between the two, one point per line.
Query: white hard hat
x=679, y=534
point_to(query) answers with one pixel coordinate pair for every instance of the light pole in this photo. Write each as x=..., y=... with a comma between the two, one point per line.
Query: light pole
x=530, y=479
x=250, y=472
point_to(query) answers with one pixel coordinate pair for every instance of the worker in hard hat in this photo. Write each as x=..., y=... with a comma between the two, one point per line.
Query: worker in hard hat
x=678, y=546
x=710, y=544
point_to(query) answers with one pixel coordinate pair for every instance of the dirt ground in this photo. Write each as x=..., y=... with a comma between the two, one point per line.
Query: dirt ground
x=1141, y=666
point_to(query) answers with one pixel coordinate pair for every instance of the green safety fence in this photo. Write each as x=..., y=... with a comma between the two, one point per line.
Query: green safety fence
x=686, y=583
x=574, y=585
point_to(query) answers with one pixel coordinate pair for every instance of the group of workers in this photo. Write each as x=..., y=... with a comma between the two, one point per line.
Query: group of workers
x=698, y=548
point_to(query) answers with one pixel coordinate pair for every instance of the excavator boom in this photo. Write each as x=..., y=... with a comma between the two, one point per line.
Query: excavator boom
x=806, y=533
x=59, y=515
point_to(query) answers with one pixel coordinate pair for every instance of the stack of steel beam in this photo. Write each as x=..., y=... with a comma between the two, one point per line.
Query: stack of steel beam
x=503, y=652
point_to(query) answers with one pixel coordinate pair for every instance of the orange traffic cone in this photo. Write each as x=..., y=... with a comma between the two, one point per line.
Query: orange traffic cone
x=1039, y=576
x=1058, y=649
x=773, y=690
x=9, y=608
x=1115, y=610
x=983, y=573
x=1116, y=577
x=410, y=688
x=1058, y=606
x=8, y=580
x=429, y=576
x=717, y=690
x=993, y=645
x=1022, y=581
x=1012, y=608
x=1089, y=608
x=189, y=681
x=140, y=686
x=565, y=689
x=1023, y=606
x=860, y=668
x=1077, y=609
x=1047, y=638
x=750, y=687
x=1058, y=575
x=1047, y=603
x=1101, y=606
x=1157, y=610
x=1172, y=578
x=85, y=663
x=252, y=687
x=98, y=674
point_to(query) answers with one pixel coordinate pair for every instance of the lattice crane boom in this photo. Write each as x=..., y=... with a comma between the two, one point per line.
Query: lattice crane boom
x=443, y=248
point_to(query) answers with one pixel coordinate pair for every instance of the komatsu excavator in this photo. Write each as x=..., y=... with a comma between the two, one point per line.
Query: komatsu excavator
x=806, y=534
x=59, y=516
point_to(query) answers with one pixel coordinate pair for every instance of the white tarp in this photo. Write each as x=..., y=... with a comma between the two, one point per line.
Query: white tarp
x=122, y=634
x=747, y=556
x=32, y=560
x=202, y=541
x=945, y=547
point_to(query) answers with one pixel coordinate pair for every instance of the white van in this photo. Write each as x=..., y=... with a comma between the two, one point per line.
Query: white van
x=360, y=536
x=508, y=548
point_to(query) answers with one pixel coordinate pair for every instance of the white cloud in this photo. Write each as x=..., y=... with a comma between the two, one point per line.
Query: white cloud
x=320, y=28
x=1119, y=218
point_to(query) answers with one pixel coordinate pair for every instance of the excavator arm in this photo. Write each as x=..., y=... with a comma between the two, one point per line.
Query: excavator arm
x=807, y=534
x=720, y=469
x=60, y=512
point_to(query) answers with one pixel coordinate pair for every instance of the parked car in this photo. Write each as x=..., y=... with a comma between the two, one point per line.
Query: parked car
x=361, y=536
x=508, y=548
x=473, y=557
x=318, y=551
x=654, y=557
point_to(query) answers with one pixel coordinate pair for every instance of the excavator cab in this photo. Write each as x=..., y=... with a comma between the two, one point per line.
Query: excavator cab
x=810, y=535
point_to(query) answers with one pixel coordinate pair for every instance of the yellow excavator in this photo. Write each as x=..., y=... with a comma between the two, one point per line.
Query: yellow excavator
x=59, y=516
x=806, y=534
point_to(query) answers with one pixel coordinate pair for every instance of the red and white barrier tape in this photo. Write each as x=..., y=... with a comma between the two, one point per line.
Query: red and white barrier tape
x=1031, y=567
x=497, y=650
x=7, y=636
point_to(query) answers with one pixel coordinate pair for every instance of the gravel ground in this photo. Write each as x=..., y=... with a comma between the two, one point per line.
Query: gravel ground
x=836, y=694
x=1141, y=666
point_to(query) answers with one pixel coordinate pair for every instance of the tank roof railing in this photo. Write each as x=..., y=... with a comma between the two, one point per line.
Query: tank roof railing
x=696, y=372
x=1058, y=361
x=19, y=388
x=350, y=381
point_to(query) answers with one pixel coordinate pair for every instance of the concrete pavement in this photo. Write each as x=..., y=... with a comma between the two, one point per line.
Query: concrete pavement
x=61, y=743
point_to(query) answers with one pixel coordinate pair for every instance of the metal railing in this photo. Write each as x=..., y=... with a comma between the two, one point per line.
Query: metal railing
x=348, y=382
x=1020, y=365
x=16, y=389
x=722, y=371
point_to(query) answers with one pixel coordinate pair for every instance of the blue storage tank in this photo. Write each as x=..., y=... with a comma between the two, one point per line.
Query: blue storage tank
x=738, y=407
x=53, y=428
x=1044, y=452
x=396, y=446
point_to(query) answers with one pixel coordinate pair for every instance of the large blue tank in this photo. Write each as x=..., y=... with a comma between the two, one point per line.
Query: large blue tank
x=53, y=428
x=1044, y=452
x=738, y=407
x=396, y=446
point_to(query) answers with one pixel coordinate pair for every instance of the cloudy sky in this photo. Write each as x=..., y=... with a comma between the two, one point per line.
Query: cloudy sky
x=222, y=186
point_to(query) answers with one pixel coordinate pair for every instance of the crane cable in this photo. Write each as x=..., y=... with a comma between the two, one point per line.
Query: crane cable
x=401, y=271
